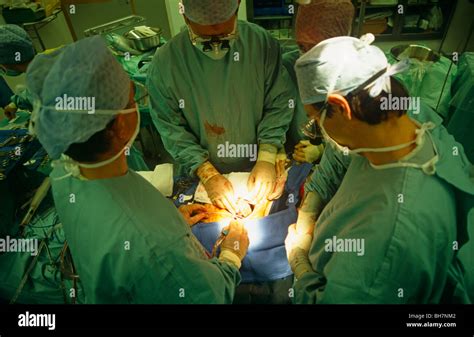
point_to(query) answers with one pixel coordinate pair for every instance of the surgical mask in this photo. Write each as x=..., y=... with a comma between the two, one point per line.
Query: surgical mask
x=9, y=72
x=72, y=167
x=428, y=167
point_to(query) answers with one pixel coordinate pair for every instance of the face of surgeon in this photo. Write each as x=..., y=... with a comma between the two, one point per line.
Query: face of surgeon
x=341, y=126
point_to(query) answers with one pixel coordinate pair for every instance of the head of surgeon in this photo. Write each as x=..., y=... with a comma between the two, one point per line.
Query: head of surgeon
x=16, y=50
x=83, y=105
x=212, y=25
x=344, y=83
x=318, y=20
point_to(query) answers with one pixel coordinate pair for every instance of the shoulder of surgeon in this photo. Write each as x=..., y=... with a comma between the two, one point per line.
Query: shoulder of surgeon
x=425, y=114
x=249, y=34
x=290, y=58
x=126, y=204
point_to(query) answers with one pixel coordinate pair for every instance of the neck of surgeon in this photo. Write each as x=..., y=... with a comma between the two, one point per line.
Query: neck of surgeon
x=117, y=168
x=395, y=131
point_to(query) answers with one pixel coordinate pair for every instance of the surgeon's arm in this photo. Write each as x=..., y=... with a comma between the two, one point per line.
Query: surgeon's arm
x=321, y=188
x=328, y=175
x=279, y=101
x=379, y=267
x=173, y=128
x=184, y=275
x=346, y=281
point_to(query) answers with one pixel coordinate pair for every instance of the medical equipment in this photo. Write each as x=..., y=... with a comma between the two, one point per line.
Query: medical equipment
x=38, y=197
x=219, y=241
x=144, y=38
x=119, y=26
x=266, y=258
x=214, y=44
x=421, y=53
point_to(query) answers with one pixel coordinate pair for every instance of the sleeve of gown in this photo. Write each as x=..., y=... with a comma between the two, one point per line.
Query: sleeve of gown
x=328, y=175
x=280, y=98
x=173, y=128
x=191, y=278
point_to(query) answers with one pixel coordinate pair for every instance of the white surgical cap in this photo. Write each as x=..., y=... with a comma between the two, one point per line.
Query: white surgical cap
x=341, y=65
x=209, y=12
x=85, y=69
x=323, y=19
x=15, y=45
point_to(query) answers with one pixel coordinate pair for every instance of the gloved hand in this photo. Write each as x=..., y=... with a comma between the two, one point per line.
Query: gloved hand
x=10, y=111
x=235, y=245
x=218, y=188
x=261, y=181
x=281, y=174
x=305, y=152
x=297, y=240
x=193, y=213
x=263, y=176
x=243, y=208
x=297, y=247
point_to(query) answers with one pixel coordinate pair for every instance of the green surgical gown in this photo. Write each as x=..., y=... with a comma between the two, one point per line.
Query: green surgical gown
x=199, y=104
x=406, y=220
x=131, y=245
x=295, y=135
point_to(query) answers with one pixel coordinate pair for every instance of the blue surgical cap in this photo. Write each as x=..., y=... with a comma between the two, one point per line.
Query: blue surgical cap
x=209, y=12
x=84, y=72
x=340, y=64
x=15, y=45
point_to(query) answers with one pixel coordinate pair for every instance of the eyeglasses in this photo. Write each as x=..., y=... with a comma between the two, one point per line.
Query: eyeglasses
x=210, y=42
x=311, y=128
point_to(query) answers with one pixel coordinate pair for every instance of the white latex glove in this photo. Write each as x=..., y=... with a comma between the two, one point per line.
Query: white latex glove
x=235, y=245
x=281, y=175
x=297, y=240
x=10, y=111
x=262, y=179
x=193, y=213
x=305, y=152
x=218, y=188
x=297, y=248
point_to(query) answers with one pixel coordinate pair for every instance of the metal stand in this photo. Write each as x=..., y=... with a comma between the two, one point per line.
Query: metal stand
x=34, y=27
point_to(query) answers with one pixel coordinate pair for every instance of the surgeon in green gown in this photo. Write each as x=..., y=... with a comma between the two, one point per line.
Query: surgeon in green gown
x=315, y=22
x=16, y=54
x=128, y=242
x=389, y=207
x=218, y=84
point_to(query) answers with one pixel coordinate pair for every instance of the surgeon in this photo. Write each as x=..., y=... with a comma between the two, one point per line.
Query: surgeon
x=128, y=242
x=316, y=20
x=386, y=211
x=218, y=87
x=16, y=53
